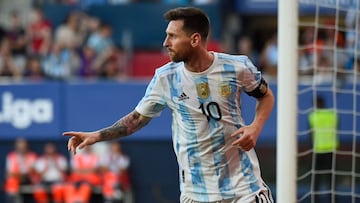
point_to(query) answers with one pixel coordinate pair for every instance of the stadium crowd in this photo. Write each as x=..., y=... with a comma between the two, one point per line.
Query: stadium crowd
x=80, y=47
x=52, y=179
x=83, y=47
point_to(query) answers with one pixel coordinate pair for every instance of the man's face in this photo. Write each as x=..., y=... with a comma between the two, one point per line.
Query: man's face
x=177, y=42
x=21, y=146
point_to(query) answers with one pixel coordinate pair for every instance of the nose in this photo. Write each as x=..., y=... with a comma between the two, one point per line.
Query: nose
x=166, y=42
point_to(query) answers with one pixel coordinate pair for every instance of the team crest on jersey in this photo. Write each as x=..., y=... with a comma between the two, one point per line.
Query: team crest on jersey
x=224, y=89
x=203, y=90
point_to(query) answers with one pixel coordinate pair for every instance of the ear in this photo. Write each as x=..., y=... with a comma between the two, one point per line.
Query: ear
x=195, y=39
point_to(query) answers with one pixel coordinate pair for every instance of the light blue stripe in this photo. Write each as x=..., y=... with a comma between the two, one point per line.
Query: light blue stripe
x=174, y=80
x=229, y=70
x=248, y=171
x=197, y=177
x=175, y=91
x=217, y=141
x=220, y=160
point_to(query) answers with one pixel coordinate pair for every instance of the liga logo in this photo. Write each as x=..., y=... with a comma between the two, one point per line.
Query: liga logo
x=21, y=113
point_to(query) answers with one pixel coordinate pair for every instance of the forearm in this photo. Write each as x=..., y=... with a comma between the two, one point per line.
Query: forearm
x=264, y=108
x=125, y=126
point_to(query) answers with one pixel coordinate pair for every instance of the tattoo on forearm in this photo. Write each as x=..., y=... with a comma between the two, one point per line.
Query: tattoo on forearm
x=125, y=126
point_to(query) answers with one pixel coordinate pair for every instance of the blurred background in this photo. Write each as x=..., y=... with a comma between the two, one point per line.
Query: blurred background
x=83, y=64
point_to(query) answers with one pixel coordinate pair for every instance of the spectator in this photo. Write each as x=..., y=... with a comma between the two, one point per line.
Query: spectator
x=307, y=50
x=352, y=44
x=333, y=38
x=88, y=25
x=33, y=68
x=39, y=33
x=19, y=170
x=115, y=64
x=83, y=177
x=88, y=66
x=17, y=39
x=8, y=66
x=2, y=33
x=61, y=63
x=269, y=56
x=323, y=123
x=67, y=34
x=116, y=185
x=51, y=167
x=245, y=47
x=101, y=40
x=324, y=70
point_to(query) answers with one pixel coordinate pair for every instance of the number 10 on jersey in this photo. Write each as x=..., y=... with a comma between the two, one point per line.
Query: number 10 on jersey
x=211, y=110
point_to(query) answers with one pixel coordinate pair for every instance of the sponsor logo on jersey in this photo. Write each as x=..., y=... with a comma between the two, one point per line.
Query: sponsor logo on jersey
x=183, y=97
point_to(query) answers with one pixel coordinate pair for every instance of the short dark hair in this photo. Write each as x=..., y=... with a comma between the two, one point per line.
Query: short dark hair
x=195, y=20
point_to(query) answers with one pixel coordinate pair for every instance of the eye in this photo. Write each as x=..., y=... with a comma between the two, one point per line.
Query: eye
x=171, y=36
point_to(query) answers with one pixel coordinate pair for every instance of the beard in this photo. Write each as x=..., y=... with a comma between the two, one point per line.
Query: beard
x=175, y=58
x=178, y=57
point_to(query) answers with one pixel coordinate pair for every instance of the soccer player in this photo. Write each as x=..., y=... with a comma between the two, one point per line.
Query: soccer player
x=214, y=148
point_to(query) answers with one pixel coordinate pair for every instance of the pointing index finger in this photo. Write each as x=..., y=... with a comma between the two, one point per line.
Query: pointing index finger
x=70, y=133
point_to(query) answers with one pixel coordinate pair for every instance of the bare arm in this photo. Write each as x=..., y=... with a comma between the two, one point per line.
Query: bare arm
x=249, y=134
x=263, y=109
x=123, y=127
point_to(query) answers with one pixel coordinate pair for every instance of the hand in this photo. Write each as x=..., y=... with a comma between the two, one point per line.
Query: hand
x=248, y=136
x=81, y=139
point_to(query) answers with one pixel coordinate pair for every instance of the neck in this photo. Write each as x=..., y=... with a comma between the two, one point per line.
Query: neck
x=200, y=61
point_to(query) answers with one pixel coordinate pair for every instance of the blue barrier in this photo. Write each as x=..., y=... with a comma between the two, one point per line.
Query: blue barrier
x=45, y=110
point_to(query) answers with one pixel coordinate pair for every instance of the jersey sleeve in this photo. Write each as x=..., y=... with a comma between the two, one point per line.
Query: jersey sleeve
x=153, y=101
x=249, y=77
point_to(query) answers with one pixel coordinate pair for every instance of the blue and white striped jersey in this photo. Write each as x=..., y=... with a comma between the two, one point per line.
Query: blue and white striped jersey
x=205, y=112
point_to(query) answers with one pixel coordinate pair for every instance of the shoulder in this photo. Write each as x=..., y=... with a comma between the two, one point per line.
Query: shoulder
x=232, y=59
x=168, y=69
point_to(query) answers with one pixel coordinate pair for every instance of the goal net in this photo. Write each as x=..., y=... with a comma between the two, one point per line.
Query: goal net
x=328, y=163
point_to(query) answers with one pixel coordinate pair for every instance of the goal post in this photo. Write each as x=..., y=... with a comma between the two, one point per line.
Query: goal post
x=318, y=71
x=286, y=144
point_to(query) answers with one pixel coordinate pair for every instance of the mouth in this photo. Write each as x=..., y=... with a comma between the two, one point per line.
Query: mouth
x=170, y=52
